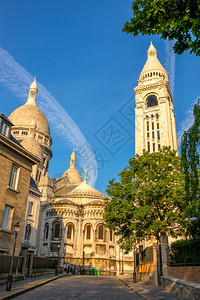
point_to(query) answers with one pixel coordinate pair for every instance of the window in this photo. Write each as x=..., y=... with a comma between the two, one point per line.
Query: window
x=100, y=232
x=14, y=177
x=28, y=233
x=4, y=129
x=7, y=217
x=69, y=231
x=30, y=208
x=153, y=135
x=56, y=230
x=158, y=146
x=154, y=147
x=158, y=126
x=147, y=125
x=152, y=125
x=158, y=133
x=147, y=134
x=88, y=232
x=148, y=146
x=46, y=231
x=152, y=101
x=111, y=235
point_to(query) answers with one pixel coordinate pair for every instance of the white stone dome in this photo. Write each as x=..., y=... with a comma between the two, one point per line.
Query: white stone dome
x=32, y=146
x=23, y=115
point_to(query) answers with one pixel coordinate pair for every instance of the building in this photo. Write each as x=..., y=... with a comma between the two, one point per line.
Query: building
x=31, y=130
x=15, y=173
x=154, y=116
x=71, y=225
x=70, y=221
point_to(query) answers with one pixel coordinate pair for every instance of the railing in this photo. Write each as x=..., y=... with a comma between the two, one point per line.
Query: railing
x=186, y=254
x=5, y=264
x=43, y=263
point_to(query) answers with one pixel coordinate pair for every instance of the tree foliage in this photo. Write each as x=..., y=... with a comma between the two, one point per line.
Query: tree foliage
x=148, y=198
x=177, y=20
x=190, y=164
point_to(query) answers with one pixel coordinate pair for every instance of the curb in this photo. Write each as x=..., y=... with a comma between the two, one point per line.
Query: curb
x=143, y=297
x=23, y=291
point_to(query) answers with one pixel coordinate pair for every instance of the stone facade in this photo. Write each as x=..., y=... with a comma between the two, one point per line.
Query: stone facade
x=71, y=224
x=154, y=116
x=15, y=172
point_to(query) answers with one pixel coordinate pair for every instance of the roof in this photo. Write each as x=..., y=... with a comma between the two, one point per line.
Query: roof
x=6, y=119
x=33, y=186
x=152, y=63
x=85, y=190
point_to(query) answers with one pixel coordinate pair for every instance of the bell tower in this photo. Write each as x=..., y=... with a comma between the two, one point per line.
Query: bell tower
x=154, y=116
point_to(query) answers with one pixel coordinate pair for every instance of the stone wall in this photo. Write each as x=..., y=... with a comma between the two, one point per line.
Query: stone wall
x=184, y=289
x=15, y=198
x=188, y=273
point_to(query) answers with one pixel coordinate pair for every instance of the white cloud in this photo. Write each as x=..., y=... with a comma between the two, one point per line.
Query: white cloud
x=18, y=80
x=187, y=122
x=170, y=63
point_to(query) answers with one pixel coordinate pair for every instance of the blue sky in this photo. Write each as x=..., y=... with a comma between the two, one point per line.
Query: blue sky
x=78, y=52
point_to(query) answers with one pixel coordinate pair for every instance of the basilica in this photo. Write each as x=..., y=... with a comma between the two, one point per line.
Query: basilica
x=65, y=216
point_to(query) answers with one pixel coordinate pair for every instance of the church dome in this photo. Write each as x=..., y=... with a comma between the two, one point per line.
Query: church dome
x=85, y=190
x=32, y=146
x=72, y=174
x=23, y=115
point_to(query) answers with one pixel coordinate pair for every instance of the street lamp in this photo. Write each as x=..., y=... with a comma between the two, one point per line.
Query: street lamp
x=57, y=261
x=122, y=254
x=134, y=261
x=9, y=283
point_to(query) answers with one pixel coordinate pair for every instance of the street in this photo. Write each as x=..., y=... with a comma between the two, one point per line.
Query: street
x=82, y=287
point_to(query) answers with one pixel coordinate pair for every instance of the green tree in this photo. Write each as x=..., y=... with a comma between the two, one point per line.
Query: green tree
x=148, y=198
x=191, y=168
x=177, y=20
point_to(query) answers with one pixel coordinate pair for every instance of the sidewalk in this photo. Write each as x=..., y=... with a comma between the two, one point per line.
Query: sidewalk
x=145, y=291
x=20, y=287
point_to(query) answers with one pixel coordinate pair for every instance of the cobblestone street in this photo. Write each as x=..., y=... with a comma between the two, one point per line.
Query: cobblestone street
x=82, y=287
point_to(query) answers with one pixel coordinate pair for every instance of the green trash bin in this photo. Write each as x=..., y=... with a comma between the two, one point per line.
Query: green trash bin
x=93, y=272
x=99, y=272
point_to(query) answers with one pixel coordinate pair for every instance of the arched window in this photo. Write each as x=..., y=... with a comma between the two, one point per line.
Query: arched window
x=152, y=101
x=88, y=232
x=46, y=231
x=28, y=232
x=56, y=230
x=70, y=229
x=111, y=235
x=100, y=232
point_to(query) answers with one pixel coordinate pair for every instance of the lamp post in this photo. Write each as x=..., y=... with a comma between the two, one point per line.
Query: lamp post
x=9, y=283
x=57, y=261
x=122, y=254
x=134, y=261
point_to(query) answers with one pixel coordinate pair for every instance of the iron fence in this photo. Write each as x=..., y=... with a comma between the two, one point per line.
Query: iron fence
x=43, y=263
x=5, y=264
x=186, y=254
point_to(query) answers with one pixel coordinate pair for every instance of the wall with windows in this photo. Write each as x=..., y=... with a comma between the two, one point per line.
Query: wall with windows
x=15, y=171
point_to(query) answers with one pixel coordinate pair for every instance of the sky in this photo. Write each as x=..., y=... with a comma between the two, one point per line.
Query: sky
x=86, y=70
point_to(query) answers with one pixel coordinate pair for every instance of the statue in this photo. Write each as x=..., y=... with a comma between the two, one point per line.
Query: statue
x=86, y=174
